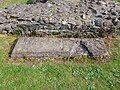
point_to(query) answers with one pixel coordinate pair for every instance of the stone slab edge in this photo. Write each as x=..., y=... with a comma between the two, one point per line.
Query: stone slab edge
x=30, y=47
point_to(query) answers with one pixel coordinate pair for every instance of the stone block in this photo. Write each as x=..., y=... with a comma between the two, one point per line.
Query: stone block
x=37, y=47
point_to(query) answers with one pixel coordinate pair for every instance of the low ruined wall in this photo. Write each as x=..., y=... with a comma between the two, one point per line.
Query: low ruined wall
x=86, y=18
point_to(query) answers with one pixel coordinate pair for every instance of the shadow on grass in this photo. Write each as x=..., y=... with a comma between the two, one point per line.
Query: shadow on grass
x=12, y=47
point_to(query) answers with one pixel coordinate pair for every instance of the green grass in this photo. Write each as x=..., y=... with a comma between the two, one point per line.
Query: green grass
x=118, y=0
x=9, y=2
x=67, y=76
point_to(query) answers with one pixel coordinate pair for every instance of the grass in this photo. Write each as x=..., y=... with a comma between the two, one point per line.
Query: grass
x=9, y=2
x=118, y=0
x=67, y=76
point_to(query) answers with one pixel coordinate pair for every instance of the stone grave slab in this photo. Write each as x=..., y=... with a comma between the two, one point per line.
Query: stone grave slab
x=37, y=47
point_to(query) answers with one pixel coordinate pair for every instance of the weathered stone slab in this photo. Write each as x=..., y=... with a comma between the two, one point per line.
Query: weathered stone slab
x=1, y=1
x=36, y=47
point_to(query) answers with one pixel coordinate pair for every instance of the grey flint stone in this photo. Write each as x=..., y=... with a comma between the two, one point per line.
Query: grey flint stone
x=37, y=47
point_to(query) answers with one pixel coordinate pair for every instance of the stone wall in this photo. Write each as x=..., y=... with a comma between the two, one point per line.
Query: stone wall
x=94, y=18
